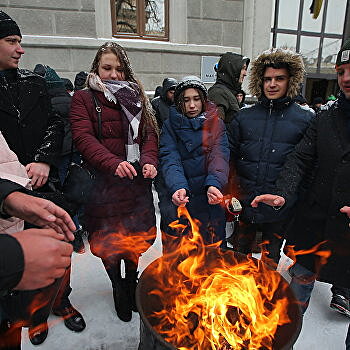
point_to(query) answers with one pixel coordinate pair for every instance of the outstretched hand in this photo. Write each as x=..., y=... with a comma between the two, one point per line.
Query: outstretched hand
x=345, y=210
x=179, y=197
x=214, y=195
x=39, y=212
x=149, y=171
x=269, y=199
x=46, y=257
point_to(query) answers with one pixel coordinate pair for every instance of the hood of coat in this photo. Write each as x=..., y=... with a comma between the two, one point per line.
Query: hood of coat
x=229, y=70
x=295, y=65
x=168, y=83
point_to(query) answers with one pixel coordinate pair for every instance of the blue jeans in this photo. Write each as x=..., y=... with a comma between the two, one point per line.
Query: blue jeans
x=347, y=341
x=302, y=284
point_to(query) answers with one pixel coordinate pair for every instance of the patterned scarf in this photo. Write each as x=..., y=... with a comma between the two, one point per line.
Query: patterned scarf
x=128, y=96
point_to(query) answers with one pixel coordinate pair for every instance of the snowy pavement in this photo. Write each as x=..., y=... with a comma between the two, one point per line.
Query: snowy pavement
x=323, y=328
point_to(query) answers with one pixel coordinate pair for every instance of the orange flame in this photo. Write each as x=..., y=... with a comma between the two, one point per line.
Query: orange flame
x=216, y=300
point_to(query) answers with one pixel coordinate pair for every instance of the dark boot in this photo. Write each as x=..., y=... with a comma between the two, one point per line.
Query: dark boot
x=122, y=303
x=121, y=294
x=131, y=277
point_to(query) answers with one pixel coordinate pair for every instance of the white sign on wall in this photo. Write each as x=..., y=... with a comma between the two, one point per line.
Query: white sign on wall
x=208, y=74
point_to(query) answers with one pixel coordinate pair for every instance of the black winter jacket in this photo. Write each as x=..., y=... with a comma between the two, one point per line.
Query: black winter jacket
x=324, y=151
x=30, y=128
x=11, y=254
x=260, y=138
x=61, y=101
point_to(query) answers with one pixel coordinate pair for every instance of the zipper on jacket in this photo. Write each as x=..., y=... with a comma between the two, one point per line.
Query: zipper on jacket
x=271, y=106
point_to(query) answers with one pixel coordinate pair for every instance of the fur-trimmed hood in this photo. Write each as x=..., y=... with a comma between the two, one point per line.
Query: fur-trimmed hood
x=275, y=56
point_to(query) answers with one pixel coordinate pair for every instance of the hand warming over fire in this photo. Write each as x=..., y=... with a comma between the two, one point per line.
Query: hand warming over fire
x=269, y=199
x=149, y=171
x=125, y=169
x=214, y=195
x=345, y=210
x=179, y=197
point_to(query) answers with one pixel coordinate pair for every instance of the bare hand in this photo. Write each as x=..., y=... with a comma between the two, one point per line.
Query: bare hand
x=46, y=257
x=269, y=199
x=149, y=171
x=345, y=210
x=38, y=173
x=179, y=198
x=125, y=169
x=214, y=195
x=39, y=212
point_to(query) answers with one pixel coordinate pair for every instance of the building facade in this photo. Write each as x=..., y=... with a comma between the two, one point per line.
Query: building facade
x=179, y=37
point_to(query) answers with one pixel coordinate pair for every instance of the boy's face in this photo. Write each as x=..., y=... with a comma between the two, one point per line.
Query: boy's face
x=343, y=73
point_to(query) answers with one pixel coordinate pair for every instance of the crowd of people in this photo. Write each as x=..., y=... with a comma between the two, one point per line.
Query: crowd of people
x=288, y=165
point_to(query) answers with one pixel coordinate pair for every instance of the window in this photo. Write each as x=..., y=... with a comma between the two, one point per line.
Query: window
x=147, y=19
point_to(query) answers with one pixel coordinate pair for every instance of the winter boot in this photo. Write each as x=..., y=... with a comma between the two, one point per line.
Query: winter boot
x=122, y=303
x=131, y=277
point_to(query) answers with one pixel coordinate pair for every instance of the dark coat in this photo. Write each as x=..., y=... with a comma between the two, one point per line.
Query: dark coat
x=223, y=92
x=61, y=101
x=324, y=153
x=30, y=128
x=194, y=155
x=116, y=203
x=161, y=104
x=260, y=138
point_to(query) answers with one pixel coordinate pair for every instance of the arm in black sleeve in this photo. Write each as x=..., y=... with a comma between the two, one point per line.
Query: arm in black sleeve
x=300, y=164
x=11, y=262
x=7, y=187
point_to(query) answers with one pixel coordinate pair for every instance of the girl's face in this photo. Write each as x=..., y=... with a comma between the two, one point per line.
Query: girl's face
x=110, y=67
x=193, y=103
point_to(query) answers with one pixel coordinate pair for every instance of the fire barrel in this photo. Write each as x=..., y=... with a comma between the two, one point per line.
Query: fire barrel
x=152, y=299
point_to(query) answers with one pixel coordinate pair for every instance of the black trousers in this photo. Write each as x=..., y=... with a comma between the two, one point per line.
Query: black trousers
x=272, y=234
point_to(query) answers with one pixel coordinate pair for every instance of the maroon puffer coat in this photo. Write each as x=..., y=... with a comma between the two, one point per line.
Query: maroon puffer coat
x=116, y=205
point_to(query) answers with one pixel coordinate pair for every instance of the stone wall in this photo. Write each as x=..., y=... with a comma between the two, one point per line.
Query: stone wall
x=65, y=34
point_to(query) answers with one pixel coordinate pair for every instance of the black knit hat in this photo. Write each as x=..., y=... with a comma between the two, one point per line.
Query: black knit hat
x=344, y=54
x=8, y=26
x=188, y=82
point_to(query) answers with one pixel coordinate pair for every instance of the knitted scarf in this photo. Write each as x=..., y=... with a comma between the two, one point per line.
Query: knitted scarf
x=128, y=96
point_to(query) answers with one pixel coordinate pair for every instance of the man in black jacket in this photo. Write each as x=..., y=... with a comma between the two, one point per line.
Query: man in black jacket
x=321, y=222
x=32, y=131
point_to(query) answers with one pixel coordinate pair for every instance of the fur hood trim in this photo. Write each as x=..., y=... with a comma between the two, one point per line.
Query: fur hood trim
x=275, y=56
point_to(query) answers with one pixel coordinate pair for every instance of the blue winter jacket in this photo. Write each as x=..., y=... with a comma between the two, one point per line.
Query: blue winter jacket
x=260, y=139
x=194, y=152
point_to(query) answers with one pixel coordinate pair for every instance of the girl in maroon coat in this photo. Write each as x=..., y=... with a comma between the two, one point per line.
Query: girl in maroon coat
x=124, y=159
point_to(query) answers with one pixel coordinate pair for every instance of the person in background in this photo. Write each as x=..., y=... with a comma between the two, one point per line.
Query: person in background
x=123, y=154
x=194, y=158
x=231, y=70
x=161, y=106
x=162, y=103
x=240, y=96
x=68, y=85
x=301, y=101
x=317, y=103
x=260, y=139
x=80, y=80
x=321, y=221
x=60, y=102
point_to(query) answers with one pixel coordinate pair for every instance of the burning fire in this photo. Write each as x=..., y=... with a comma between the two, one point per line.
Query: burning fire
x=212, y=299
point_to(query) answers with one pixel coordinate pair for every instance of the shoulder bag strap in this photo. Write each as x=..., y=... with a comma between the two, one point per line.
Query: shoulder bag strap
x=99, y=117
